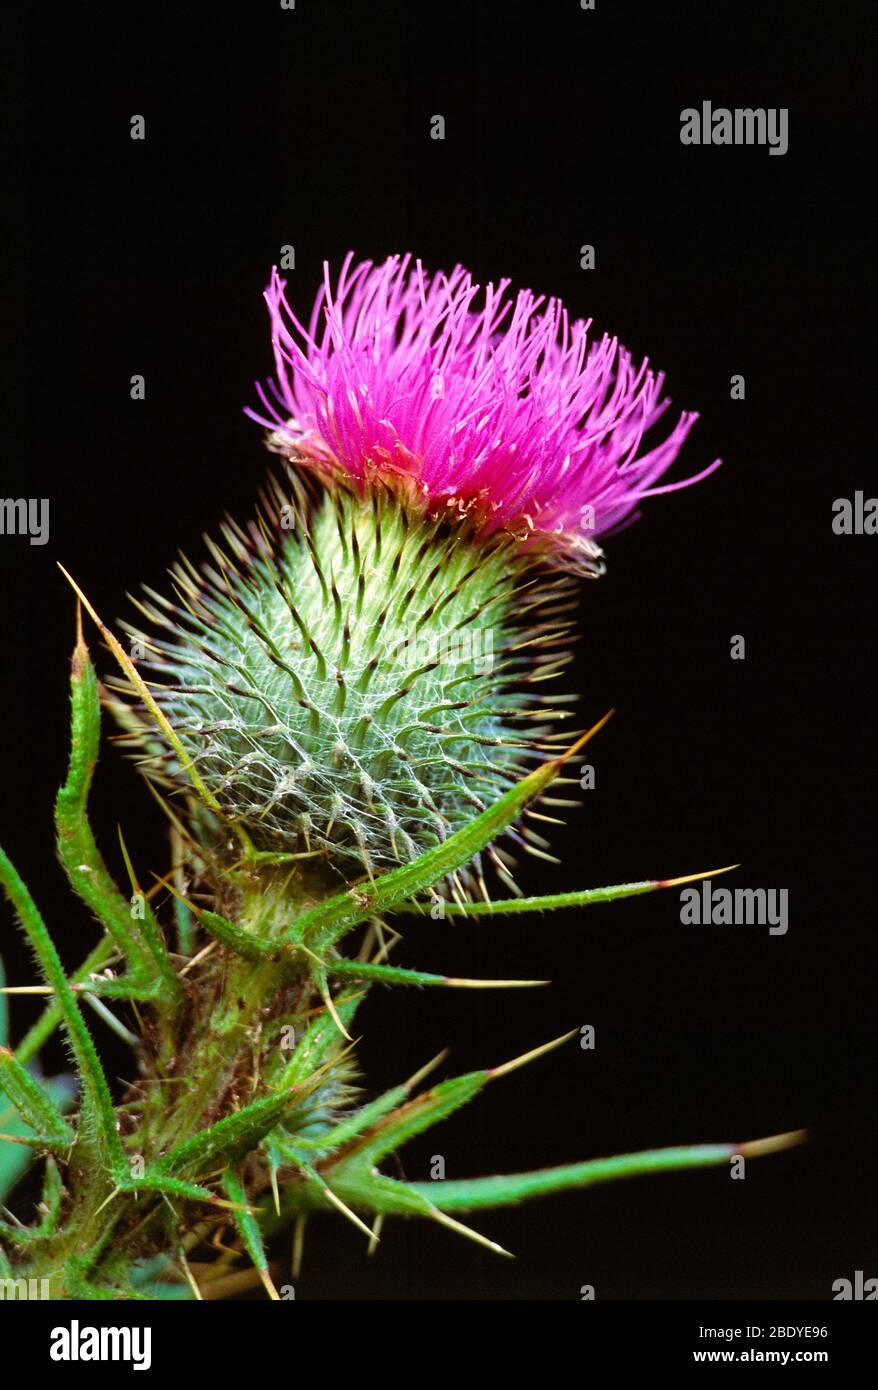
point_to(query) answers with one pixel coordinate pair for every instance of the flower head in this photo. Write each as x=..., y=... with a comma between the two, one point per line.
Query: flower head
x=487, y=405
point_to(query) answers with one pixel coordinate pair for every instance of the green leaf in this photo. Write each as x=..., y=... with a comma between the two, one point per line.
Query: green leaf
x=97, y=1103
x=15, y=1159
x=231, y=1137
x=248, y=1228
x=584, y=898
x=399, y=975
x=33, y=1104
x=476, y=1194
x=139, y=940
x=237, y=939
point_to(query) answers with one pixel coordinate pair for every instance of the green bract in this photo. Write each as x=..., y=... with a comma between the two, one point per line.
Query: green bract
x=354, y=678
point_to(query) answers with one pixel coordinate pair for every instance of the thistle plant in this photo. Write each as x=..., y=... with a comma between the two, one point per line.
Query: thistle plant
x=346, y=716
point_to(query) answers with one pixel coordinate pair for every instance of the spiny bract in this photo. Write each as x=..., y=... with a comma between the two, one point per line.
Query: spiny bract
x=352, y=677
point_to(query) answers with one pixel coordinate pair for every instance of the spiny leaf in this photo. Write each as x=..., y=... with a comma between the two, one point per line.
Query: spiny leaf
x=33, y=1104
x=398, y=975
x=248, y=1229
x=230, y=1137
x=243, y=943
x=580, y=898
x=15, y=1159
x=141, y=941
x=481, y=1193
x=97, y=1102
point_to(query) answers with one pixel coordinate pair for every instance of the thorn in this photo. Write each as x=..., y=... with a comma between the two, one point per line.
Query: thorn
x=775, y=1143
x=445, y=1220
x=581, y=742
x=311, y=1083
x=218, y=1201
x=161, y=882
x=459, y=983
x=135, y=886
x=327, y=999
x=268, y=1285
x=274, y=1189
x=346, y=1211
x=111, y=1020
x=209, y=948
x=506, y=1067
x=298, y=1244
x=27, y=989
x=172, y=817
x=190, y=1277
x=540, y=854
x=376, y=1233
x=425, y=1070
x=320, y=981
x=115, y=1193
x=692, y=878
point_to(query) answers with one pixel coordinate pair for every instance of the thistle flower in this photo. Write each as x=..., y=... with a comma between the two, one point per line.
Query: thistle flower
x=355, y=678
x=501, y=407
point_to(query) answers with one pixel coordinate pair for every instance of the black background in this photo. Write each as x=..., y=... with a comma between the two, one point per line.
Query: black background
x=311, y=127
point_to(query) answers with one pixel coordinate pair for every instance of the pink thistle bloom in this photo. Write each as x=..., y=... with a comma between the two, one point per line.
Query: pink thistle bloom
x=503, y=411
